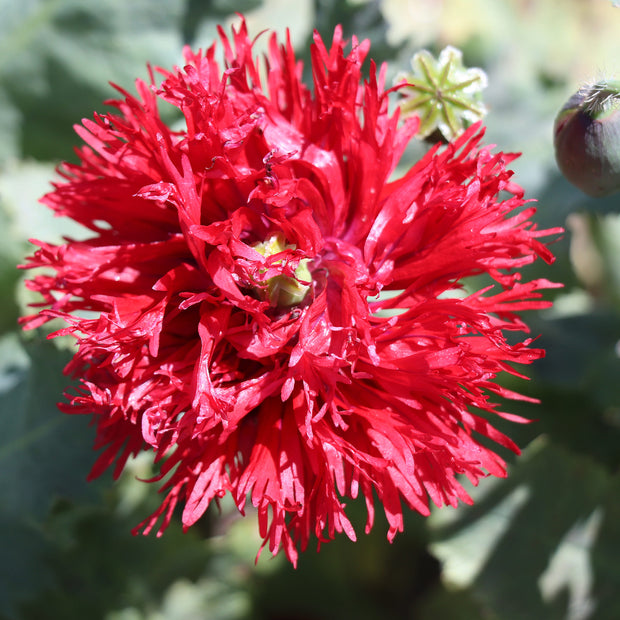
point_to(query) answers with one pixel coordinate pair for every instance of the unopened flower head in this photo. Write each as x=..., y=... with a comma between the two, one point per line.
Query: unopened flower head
x=445, y=94
x=269, y=315
x=587, y=138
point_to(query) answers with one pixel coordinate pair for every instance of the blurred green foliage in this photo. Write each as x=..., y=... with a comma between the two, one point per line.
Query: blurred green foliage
x=542, y=544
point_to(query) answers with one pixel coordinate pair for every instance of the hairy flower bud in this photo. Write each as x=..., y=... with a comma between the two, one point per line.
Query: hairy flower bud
x=587, y=138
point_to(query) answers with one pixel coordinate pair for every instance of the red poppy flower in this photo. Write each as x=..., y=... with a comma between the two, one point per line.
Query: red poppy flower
x=267, y=313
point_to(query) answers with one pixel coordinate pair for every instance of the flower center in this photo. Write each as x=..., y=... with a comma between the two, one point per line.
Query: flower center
x=283, y=290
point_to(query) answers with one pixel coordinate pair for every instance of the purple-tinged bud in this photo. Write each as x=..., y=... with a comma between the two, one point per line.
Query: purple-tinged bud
x=587, y=138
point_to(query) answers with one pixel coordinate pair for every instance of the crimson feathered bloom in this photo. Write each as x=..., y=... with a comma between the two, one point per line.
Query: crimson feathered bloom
x=261, y=307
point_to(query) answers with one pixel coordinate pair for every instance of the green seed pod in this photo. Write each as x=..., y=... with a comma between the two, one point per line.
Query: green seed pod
x=446, y=95
x=587, y=138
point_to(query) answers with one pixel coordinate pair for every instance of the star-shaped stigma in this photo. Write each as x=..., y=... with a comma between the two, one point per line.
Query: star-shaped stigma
x=442, y=92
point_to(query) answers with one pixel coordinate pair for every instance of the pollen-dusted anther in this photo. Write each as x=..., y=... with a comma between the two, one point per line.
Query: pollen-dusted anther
x=282, y=290
x=443, y=93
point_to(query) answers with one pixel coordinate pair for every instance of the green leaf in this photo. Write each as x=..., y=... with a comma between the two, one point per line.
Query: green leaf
x=577, y=385
x=44, y=455
x=539, y=544
x=57, y=58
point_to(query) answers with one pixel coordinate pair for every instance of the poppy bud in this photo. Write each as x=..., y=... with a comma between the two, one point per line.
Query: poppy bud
x=587, y=138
